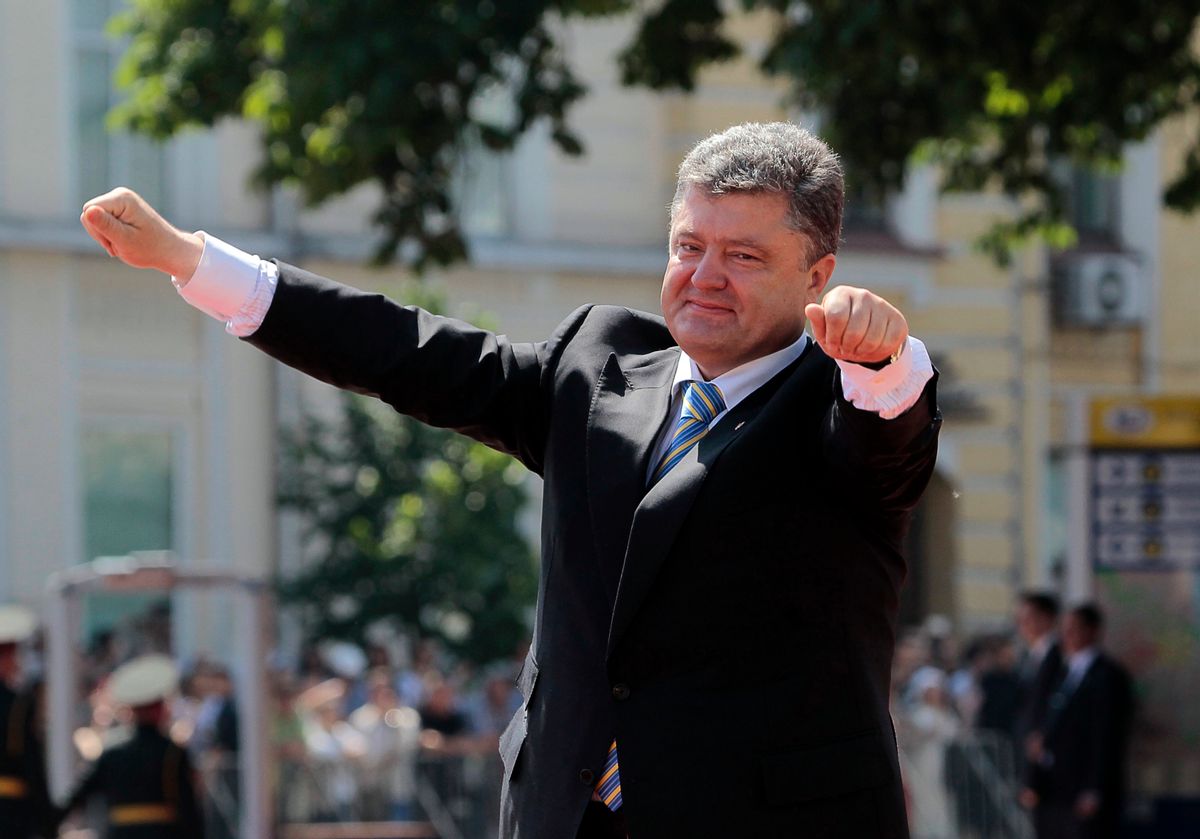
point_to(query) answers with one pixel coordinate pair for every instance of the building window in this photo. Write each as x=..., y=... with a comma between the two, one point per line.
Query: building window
x=865, y=209
x=128, y=505
x=1092, y=202
x=1091, y=199
x=481, y=190
x=107, y=159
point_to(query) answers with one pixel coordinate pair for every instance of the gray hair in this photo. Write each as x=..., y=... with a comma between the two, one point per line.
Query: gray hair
x=773, y=157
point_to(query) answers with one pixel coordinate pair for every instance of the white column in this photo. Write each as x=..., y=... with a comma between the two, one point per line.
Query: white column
x=61, y=629
x=253, y=724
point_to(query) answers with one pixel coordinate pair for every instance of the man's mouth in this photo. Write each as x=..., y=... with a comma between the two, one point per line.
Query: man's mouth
x=708, y=306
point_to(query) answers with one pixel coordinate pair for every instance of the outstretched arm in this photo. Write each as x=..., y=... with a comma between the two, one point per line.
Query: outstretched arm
x=881, y=432
x=438, y=370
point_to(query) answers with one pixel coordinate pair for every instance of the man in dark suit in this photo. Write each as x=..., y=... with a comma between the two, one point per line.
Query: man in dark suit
x=25, y=809
x=1040, y=663
x=725, y=502
x=1076, y=777
x=147, y=781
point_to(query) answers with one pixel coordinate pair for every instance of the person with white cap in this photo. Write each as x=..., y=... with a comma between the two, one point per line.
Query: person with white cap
x=25, y=809
x=147, y=781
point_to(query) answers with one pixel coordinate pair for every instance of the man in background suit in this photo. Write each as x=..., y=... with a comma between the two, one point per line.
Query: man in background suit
x=1039, y=665
x=725, y=501
x=1076, y=777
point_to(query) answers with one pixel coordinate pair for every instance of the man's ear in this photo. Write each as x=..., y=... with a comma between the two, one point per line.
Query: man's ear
x=818, y=277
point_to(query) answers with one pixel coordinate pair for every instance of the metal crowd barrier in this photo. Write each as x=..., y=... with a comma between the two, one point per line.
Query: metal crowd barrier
x=979, y=788
x=456, y=797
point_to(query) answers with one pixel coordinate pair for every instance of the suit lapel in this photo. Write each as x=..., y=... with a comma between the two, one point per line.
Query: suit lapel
x=1066, y=694
x=657, y=520
x=626, y=417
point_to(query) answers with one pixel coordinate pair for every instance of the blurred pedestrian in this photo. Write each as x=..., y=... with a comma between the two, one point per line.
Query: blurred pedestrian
x=491, y=709
x=392, y=733
x=221, y=759
x=1040, y=662
x=441, y=712
x=963, y=686
x=932, y=725
x=290, y=754
x=999, y=689
x=147, y=781
x=25, y=808
x=334, y=750
x=1076, y=776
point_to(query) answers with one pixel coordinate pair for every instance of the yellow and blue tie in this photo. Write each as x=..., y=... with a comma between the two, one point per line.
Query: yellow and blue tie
x=702, y=402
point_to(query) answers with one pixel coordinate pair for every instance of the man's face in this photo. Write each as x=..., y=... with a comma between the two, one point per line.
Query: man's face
x=737, y=278
x=1077, y=635
x=1031, y=624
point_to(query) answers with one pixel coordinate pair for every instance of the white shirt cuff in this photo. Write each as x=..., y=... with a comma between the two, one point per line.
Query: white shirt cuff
x=230, y=285
x=894, y=389
x=223, y=281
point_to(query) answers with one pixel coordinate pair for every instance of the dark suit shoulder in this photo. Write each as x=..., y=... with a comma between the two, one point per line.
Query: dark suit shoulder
x=1113, y=673
x=626, y=329
x=584, y=343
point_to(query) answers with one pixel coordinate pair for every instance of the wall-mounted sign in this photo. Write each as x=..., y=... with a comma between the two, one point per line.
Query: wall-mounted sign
x=1145, y=483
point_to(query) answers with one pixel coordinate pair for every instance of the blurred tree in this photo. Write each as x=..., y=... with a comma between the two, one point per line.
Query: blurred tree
x=358, y=91
x=409, y=525
x=374, y=91
x=998, y=93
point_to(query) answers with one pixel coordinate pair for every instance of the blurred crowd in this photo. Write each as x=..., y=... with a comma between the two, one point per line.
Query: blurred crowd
x=361, y=736
x=375, y=733
x=1016, y=733
x=1011, y=734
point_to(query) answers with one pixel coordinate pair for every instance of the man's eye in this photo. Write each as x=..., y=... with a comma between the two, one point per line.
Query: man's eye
x=688, y=247
x=744, y=257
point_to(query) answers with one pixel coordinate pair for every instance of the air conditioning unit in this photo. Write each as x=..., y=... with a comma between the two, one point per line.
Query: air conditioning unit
x=1099, y=289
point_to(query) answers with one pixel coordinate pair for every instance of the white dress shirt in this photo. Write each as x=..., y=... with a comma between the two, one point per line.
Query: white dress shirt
x=1077, y=667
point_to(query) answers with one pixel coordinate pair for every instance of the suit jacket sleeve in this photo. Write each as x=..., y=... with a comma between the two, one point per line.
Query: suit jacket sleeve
x=1046, y=680
x=882, y=463
x=439, y=370
x=1110, y=730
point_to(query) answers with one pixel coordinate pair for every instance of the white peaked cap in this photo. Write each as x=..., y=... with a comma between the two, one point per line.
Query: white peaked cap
x=143, y=680
x=16, y=624
x=343, y=658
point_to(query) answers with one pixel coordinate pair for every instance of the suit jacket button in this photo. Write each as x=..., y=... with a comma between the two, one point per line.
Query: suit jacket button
x=587, y=776
x=620, y=691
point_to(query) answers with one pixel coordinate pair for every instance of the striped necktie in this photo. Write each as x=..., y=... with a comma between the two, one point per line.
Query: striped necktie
x=702, y=402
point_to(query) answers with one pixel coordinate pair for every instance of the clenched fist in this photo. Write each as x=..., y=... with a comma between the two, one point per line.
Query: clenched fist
x=131, y=230
x=852, y=324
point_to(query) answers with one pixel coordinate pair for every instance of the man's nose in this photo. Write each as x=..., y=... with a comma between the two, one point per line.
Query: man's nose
x=709, y=273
